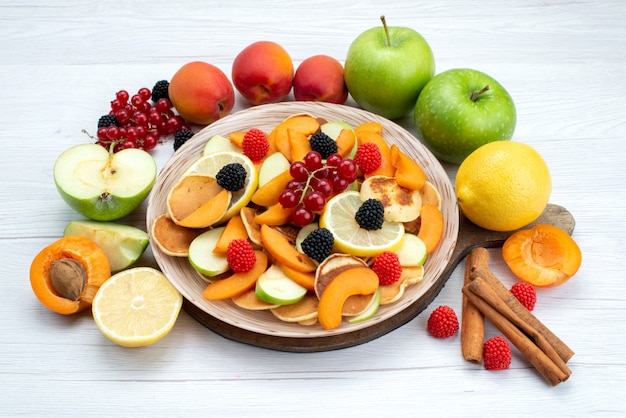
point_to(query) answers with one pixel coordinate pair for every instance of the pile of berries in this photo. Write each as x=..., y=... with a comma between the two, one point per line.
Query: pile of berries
x=139, y=121
x=314, y=181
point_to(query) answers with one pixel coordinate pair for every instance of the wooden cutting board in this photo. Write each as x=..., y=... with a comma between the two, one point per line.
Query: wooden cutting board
x=470, y=236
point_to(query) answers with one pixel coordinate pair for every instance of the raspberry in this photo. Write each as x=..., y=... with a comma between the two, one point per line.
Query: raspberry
x=255, y=144
x=525, y=293
x=370, y=214
x=240, y=255
x=323, y=144
x=387, y=267
x=160, y=91
x=442, y=322
x=181, y=137
x=318, y=244
x=496, y=354
x=232, y=177
x=368, y=157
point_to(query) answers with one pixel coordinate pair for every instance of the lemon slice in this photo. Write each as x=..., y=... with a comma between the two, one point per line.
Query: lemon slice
x=136, y=307
x=350, y=238
x=211, y=164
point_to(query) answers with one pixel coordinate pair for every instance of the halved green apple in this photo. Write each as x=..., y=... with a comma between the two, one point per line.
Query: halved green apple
x=122, y=244
x=102, y=185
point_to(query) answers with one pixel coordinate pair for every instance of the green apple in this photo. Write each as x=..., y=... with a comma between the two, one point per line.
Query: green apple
x=272, y=166
x=371, y=309
x=412, y=251
x=386, y=68
x=122, y=244
x=219, y=143
x=103, y=185
x=201, y=255
x=461, y=109
x=334, y=128
x=274, y=287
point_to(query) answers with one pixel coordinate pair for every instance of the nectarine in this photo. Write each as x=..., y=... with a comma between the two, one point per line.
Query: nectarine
x=320, y=78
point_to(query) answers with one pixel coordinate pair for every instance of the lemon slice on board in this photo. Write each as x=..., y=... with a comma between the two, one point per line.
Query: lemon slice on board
x=136, y=307
x=211, y=164
x=350, y=238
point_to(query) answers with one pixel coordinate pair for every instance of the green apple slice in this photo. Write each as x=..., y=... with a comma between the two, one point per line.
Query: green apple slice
x=303, y=233
x=371, y=309
x=275, y=164
x=334, y=128
x=122, y=244
x=219, y=143
x=274, y=287
x=202, y=257
x=412, y=252
x=104, y=186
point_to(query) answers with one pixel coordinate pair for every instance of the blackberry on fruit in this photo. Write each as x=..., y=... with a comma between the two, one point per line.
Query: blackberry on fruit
x=371, y=214
x=107, y=120
x=232, y=177
x=323, y=144
x=181, y=137
x=318, y=244
x=160, y=91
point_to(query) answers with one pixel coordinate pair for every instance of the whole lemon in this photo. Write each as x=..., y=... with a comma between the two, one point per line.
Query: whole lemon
x=503, y=185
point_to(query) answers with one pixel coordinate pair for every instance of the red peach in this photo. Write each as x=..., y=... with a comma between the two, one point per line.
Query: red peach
x=201, y=93
x=320, y=78
x=263, y=72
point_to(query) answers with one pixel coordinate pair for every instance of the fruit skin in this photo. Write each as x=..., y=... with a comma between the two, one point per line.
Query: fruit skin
x=443, y=322
x=320, y=78
x=104, y=186
x=387, y=79
x=453, y=125
x=263, y=72
x=503, y=185
x=496, y=354
x=201, y=93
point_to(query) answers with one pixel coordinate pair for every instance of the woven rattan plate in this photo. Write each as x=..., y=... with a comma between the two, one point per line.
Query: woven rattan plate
x=262, y=328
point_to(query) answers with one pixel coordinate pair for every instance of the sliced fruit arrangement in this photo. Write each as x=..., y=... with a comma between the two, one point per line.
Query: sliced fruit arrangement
x=314, y=221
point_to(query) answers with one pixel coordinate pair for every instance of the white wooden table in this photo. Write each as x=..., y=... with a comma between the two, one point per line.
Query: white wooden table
x=61, y=63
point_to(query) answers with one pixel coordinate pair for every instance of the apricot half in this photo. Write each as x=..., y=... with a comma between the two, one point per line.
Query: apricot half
x=543, y=255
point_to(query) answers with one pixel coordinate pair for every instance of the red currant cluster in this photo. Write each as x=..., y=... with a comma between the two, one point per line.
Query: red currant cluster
x=314, y=181
x=139, y=123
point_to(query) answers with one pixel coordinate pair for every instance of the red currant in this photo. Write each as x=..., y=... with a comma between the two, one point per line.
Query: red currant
x=333, y=160
x=298, y=171
x=315, y=201
x=122, y=96
x=313, y=160
x=144, y=93
x=324, y=186
x=302, y=216
x=339, y=184
x=347, y=170
x=288, y=199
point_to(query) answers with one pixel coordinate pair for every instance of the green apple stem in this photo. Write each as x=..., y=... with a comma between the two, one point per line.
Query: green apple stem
x=476, y=94
x=382, y=18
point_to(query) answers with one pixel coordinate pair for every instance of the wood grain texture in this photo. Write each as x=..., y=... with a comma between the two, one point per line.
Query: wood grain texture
x=61, y=63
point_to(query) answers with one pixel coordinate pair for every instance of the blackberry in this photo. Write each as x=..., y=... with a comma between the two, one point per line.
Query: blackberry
x=371, y=214
x=160, y=91
x=107, y=120
x=318, y=244
x=323, y=144
x=232, y=177
x=181, y=137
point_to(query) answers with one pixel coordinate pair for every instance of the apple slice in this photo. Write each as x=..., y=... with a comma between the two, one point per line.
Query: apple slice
x=219, y=143
x=371, y=309
x=333, y=129
x=275, y=164
x=412, y=252
x=101, y=185
x=274, y=287
x=202, y=257
x=122, y=244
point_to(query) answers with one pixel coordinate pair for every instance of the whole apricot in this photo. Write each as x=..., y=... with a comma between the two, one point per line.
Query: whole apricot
x=320, y=78
x=201, y=93
x=263, y=72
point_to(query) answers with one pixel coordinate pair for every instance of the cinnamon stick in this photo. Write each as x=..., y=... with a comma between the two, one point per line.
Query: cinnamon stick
x=563, y=351
x=472, y=320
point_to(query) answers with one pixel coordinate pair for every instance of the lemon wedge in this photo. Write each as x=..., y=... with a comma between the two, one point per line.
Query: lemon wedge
x=136, y=307
x=350, y=238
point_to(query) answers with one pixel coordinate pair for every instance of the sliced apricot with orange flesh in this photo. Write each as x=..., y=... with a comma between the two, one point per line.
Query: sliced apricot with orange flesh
x=386, y=167
x=431, y=227
x=408, y=173
x=304, y=123
x=306, y=280
x=236, y=137
x=354, y=281
x=197, y=201
x=274, y=215
x=268, y=194
x=543, y=255
x=283, y=251
x=234, y=229
x=54, y=274
x=345, y=142
x=370, y=126
x=238, y=283
x=299, y=144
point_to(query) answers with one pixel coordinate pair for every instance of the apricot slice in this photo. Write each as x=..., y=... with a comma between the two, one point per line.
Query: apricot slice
x=408, y=173
x=236, y=137
x=197, y=201
x=303, y=123
x=543, y=255
x=386, y=167
x=431, y=227
x=354, y=281
x=284, y=252
x=174, y=240
x=370, y=126
x=299, y=144
x=306, y=280
x=345, y=142
x=234, y=229
x=238, y=283
x=268, y=194
x=274, y=215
